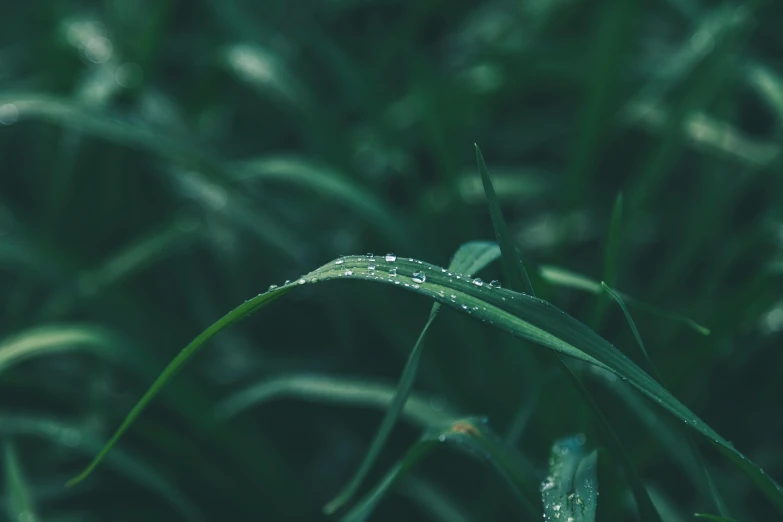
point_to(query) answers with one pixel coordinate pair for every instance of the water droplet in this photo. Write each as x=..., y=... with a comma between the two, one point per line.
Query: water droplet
x=287, y=282
x=272, y=287
x=9, y=113
x=302, y=281
x=442, y=438
x=393, y=272
x=464, y=307
x=370, y=267
x=478, y=282
x=396, y=282
x=339, y=262
x=419, y=277
x=418, y=262
x=494, y=284
x=391, y=258
x=453, y=296
x=348, y=272
x=369, y=254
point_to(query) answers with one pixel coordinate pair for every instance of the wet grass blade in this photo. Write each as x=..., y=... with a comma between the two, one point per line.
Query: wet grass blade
x=570, y=491
x=568, y=279
x=20, y=502
x=470, y=258
x=333, y=390
x=470, y=435
x=513, y=270
x=519, y=315
x=716, y=496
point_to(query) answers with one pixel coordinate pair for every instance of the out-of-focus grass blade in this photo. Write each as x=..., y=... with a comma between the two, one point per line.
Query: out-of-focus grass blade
x=61, y=338
x=20, y=502
x=568, y=279
x=513, y=262
x=302, y=173
x=520, y=315
x=570, y=491
x=694, y=448
x=714, y=518
x=470, y=435
x=338, y=390
x=432, y=500
x=86, y=442
x=470, y=258
x=514, y=272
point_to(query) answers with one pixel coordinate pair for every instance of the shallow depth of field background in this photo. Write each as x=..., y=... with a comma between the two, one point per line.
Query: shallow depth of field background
x=162, y=161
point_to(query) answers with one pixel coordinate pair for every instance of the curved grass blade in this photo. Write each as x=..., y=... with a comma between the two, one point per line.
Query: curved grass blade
x=20, y=502
x=469, y=258
x=568, y=279
x=470, y=435
x=716, y=496
x=86, y=442
x=514, y=271
x=62, y=338
x=570, y=491
x=519, y=315
x=338, y=390
x=611, y=256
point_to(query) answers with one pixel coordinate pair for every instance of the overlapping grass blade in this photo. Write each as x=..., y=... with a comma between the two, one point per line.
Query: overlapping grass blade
x=470, y=435
x=568, y=279
x=515, y=273
x=20, y=500
x=432, y=500
x=519, y=315
x=611, y=255
x=337, y=390
x=86, y=442
x=513, y=263
x=469, y=258
x=716, y=496
x=570, y=491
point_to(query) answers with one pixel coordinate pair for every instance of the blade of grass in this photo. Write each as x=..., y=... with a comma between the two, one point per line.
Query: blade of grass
x=567, y=279
x=514, y=272
x=716, y=496
x=611, y=256
x=570, y=491
x=520, y=315
x=338, y=390
x=512, y=261
x=87, y=442
x=470, y=435
x=470, y=257
x=20, y=502
x=433, y=501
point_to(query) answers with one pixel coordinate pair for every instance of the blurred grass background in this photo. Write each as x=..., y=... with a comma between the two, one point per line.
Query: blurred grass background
x=163, y=161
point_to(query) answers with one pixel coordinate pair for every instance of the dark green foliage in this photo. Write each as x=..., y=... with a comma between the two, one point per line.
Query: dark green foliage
x=165, y=162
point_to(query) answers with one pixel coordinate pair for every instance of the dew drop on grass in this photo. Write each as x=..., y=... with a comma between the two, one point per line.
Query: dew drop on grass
x=339, y=262
x=391, y=258
x=272, y=287
x=494, y=284
x=348, y=272
x=419, y=277
x=478, y=282
x=393, y=272
x=302, y=281
x=287, y=282
x=370, y=267
x=369, y=254
x=442, y=438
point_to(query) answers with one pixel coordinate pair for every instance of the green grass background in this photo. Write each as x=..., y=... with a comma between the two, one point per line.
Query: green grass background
x=161, y=162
